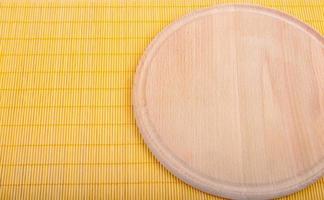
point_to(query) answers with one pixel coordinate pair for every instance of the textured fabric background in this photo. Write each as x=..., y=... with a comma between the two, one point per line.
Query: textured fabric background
x=66, y=122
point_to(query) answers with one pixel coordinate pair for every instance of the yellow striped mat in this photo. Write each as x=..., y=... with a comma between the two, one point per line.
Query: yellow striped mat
x=66, y=124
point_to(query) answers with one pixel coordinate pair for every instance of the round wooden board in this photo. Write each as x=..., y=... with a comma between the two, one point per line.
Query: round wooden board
x=231, y=100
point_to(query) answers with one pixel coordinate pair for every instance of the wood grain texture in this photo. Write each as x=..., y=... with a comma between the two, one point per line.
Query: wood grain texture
x=231, y=100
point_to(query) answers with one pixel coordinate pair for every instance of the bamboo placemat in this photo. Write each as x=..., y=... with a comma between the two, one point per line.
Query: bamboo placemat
x=66, y=124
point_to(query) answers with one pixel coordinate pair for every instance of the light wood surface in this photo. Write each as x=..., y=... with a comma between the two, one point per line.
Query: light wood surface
x=231, y=101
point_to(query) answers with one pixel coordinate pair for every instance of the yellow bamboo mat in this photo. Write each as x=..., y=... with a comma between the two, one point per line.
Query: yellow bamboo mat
x=66, y=122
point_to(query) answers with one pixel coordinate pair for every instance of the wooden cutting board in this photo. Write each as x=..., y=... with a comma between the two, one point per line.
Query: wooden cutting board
x=231, y=101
